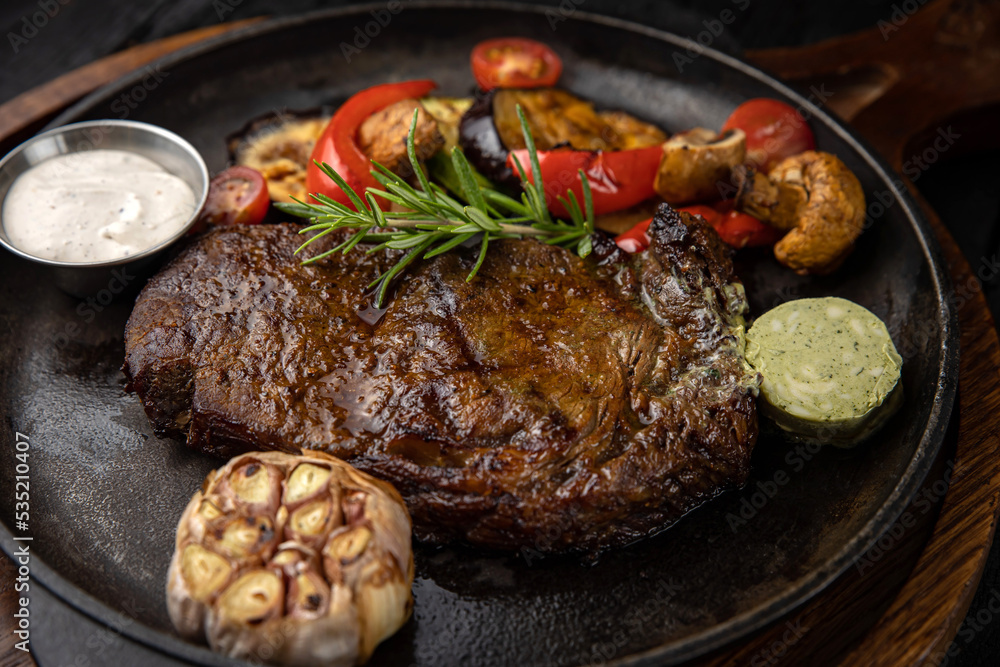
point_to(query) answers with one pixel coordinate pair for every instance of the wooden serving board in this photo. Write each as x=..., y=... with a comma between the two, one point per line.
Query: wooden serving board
x=898, y=84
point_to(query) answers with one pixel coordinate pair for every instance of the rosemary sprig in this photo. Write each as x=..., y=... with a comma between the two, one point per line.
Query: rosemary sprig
x=433, y=222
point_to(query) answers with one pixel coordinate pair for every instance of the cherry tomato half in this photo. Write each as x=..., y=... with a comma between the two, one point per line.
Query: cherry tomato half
x=514, y=62
x=236, y=196
x=774, y=131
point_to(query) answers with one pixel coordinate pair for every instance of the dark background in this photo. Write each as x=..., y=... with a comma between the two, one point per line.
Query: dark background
x=964, y=190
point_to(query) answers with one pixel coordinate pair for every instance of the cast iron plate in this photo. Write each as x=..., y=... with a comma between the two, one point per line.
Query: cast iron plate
x=106, y=493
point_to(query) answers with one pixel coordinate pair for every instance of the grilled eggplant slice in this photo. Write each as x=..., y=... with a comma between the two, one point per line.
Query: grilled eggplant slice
x=279, y=146
x=491, y=128
x=448, y=112
x=302, y=547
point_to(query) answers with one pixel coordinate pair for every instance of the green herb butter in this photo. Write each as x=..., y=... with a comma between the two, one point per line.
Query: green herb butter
x=829, y=367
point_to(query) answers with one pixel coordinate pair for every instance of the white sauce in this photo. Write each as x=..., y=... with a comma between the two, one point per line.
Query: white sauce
x=95, y=206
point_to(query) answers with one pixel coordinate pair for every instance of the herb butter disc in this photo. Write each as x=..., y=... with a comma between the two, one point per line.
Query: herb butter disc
x=829, y=369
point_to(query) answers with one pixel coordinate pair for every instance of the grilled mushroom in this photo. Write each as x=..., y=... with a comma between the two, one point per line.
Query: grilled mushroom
x=816, y=197
x=695, y=162
x=447, y=111
x=382, y=136
x=298, y=560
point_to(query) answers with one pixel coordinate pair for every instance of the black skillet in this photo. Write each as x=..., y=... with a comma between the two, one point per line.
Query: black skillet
x=106, y=493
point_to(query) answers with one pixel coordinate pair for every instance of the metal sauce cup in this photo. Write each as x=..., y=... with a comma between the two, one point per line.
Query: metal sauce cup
x=165, y=148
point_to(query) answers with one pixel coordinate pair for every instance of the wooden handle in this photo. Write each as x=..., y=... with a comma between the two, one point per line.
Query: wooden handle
x=24, y=115
x=909, y=77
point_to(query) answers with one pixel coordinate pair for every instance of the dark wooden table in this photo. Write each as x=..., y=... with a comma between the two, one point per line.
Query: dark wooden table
x=961, y=187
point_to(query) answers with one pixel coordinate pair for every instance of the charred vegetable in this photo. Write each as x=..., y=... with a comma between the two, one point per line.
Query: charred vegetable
x=278, y=147
x=814, y=195
x=774, y=130
x=490, y=129
x=696, y=162
x=339, y=145
x=236, y=196
x=448, y=112
x=382, y=136
x=301, y=547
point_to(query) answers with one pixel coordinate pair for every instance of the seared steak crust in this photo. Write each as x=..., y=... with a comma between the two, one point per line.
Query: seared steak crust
x=551, y=403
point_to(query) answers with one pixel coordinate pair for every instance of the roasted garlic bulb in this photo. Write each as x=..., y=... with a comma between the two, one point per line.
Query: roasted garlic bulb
x=293, y=560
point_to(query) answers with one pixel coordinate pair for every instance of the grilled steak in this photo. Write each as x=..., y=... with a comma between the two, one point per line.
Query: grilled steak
x=552, y=403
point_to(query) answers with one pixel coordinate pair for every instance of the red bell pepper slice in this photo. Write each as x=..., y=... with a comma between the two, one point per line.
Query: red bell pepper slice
x=618, y=179
x=736, y=229
x=338, y=147
x=741, y=230
x=635, y=239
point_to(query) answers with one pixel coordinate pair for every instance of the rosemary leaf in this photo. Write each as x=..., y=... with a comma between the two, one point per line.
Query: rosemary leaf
x=375, y=209
x=481, y=219
x=311, y=239
x=536, y=168
x=298, y=209
x=470, y=189
x=411, y=152
x=588, y=204
x=569, y=236
x=482, y=257
x=500, y=200
x=457, y=239
x=400, y=266
x=319, y=256
x=342, y=184
x=407, y=241
x=355, y=239
x=433, y=222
